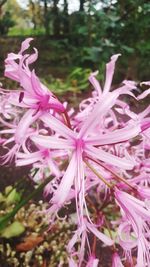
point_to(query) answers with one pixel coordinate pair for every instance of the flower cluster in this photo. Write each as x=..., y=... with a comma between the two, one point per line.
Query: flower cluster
x=98, y=157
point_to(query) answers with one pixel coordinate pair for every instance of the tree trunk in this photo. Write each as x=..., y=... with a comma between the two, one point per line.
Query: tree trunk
x=2, y=2
x=56, y=21
x=65, y=18
x=81, y=9
x=46, y=19
x=32, y=4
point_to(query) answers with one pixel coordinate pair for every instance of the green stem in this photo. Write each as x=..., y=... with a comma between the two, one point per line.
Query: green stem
x=98, y=174
x=5, y=219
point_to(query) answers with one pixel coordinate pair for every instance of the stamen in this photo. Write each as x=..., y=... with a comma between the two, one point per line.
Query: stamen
x=117, y=177
x=66, y=119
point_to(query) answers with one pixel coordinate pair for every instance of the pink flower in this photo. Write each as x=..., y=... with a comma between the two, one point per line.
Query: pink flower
x=98, y=149
x=33, y=95
x=82, y=144
x=88, y=141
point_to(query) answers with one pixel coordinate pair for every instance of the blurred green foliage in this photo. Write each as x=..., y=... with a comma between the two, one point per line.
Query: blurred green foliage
x=86, y=38
x=6, y=22
x=76, y=82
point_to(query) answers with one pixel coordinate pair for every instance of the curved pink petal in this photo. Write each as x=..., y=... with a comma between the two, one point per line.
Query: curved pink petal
x=146, y=83
x=111, y=159
x=105, y=239
x=24, y=124
x=58, y=126
x=144, y=94
x=25, y=45
x=25, y=82
x=110, y=68
x=27, y=159
x=36, y=85
x=100, y=109
x=52, y=142
x=135, y=210
x=67, y=181
x=11, y=67
x=116, y=136
x=32, y=58
x=95, y=83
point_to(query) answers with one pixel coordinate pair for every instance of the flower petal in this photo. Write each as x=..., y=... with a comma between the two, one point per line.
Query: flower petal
x=100, y=235
x=27, y=159
x=57, y=126
x=62, y=192
x=117, y=136
x=52, y=142
x=24, y=124
x=25, y=45
x=100, y=154
x=95, y=83
x=100, y=109
x=144, y=94
x=110, y=67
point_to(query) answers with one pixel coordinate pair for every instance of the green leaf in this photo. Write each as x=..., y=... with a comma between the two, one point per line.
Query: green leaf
x=128, y=49
x=13, y=197
x=2, y=198
x=14, y=229
x=8, y=189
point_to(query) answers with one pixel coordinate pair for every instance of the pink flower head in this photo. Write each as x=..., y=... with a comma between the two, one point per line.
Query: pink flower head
x=79, y=145
x=33, y=95
x=91, y=154
x=90, y=141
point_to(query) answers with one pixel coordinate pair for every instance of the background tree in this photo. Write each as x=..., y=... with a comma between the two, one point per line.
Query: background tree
x=6, y=20
x=92, y=33
x=2, y=2
x=65, y=18
x=36, y=13
x=46, y=17
x=81, y=8
x=55, y=18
